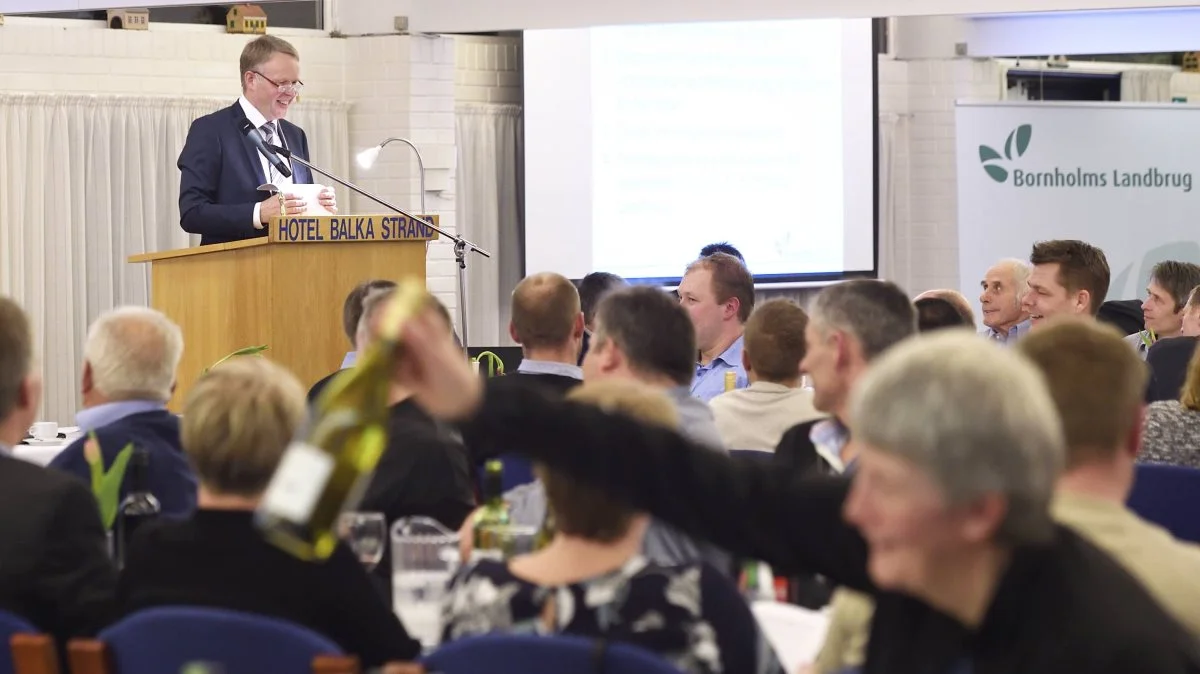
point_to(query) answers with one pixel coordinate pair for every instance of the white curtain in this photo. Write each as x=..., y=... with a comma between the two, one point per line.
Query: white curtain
x=87, y=181
x=1146, y=86
x=488, y=211
x=895, y=263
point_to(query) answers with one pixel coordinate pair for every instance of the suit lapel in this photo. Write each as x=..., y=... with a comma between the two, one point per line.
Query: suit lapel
x=251, y=153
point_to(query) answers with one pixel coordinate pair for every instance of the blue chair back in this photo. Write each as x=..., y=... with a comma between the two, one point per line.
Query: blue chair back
x=1169, y=496
x=529, y=654
x=159, y=640
x=11, y=624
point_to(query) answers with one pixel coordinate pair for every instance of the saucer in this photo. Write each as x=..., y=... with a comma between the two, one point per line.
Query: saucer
x=34, y=442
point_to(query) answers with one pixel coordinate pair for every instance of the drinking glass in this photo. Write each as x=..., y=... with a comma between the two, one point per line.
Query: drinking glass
x=366, y=534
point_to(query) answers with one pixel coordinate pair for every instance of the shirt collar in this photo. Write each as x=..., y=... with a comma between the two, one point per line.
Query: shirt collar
x=528, y=366
x=829, y=438
x=350, y=359
x=102, y=415
x=256, y=118
x=1013, y=334
x=731, y=356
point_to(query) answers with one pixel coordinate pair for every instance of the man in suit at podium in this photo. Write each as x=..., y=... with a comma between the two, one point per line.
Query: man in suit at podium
x=220, y=168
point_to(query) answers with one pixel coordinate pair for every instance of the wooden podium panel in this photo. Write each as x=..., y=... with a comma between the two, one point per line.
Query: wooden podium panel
x=280, y=291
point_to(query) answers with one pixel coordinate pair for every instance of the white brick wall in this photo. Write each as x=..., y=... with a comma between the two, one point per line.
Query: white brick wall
x=40, y=55
x=487, y=69
x=920, y=97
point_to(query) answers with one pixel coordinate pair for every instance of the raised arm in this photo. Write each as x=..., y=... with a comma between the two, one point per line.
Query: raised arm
x=756, y=511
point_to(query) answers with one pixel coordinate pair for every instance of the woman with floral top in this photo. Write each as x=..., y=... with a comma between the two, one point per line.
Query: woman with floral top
x=591, y=580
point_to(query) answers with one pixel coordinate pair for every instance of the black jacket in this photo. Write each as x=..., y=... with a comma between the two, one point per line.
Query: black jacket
x=1061, y=607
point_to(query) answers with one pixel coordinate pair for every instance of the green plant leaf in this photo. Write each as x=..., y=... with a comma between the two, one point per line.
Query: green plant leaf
x=998, y=173
x=1024, y=135
x=987, y=154
x=1008, y=145
x=244, y=351
x=106, y=484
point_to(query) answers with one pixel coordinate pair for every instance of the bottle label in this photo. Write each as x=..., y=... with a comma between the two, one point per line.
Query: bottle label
x=298, y=483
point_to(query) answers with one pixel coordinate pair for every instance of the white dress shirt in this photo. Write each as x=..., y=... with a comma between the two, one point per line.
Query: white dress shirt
x=274, y=177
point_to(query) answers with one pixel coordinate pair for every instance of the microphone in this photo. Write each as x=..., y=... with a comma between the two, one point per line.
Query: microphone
x=256, y=138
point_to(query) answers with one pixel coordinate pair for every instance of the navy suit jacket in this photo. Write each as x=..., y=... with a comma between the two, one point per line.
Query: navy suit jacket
x=220, y=174
x=170, y=479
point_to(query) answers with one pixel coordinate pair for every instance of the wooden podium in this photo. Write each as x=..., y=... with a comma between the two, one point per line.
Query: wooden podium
x=284, y=290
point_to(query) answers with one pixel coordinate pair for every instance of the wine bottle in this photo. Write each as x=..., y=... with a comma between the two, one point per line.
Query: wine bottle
x=326, y=469
x=547, y=531
x=138, y=507
x=492, y=519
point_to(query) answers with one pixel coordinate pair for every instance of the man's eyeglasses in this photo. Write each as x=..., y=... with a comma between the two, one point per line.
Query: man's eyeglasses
x=288, y=88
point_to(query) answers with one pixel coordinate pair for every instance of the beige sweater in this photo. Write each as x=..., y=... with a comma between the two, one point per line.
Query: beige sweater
x=756, y=417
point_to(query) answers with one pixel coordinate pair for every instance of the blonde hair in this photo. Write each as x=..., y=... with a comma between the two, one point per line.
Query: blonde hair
x=260, y=50
x=584, y=511
x=1190, y=395
x=133, y=353
x=237, y=421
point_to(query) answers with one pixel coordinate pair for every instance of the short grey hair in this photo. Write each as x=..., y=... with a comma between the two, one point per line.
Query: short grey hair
x=1020, y=272
x=877, y=313
x=975, y=418
x=134, y=353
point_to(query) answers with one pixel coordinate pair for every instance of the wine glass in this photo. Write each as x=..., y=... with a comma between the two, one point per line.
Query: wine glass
x=366, y=534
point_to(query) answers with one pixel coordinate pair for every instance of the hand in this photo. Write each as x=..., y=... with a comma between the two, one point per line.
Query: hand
x=435, y=370
x=328, y=200
x=270, y=208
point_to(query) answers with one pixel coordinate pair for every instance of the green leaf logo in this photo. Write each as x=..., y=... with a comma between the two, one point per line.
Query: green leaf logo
x=1018, y=141
x=1024, y=134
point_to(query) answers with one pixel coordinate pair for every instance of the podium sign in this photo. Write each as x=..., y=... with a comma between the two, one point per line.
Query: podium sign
x=336, y=228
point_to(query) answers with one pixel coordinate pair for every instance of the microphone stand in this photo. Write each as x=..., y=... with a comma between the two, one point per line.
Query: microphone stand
x=461, y=245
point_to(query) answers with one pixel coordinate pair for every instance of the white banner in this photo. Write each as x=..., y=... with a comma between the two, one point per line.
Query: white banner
x=1119, y=176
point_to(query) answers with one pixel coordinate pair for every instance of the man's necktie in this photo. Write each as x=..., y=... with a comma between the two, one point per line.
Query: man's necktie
x=269, y=135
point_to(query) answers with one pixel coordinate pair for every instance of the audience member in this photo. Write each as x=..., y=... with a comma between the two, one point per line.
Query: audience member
x=548, y=323
x=935, y=313
x=1167, y=360
x=1190, y=325
x=946, y=523
x=54, y=565
x=722, y=247
x=352, y=309
x=756, y=417
x=237, y=422
x=1069, y=277
x=424, y=470
x=129, y=367
x=592, y=581
x=1097, y=385
x=956, y=299
x=850, y=324
x=1171, y=282
x=592, y=289
x=1004, y=284
x=718, y=293
x=1172, y=431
